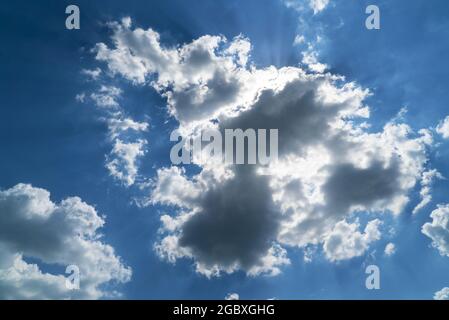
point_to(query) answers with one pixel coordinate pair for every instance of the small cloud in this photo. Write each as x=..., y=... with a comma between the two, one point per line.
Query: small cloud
x=443, y=128
x=299, y=40
x=318, y=5
x=346, y=241
x=443, y=294
x=232, y=296
x=122, y=161
x=310, y=59
x=106, y=97
x=308, y=254
x=390, y=249
x=426, y=188
x=400, y=116
x=438, y=229
x=81, y=97
x=92, y=74
x=117, y=126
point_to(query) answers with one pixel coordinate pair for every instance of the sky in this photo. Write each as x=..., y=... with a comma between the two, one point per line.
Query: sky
x=86, y=177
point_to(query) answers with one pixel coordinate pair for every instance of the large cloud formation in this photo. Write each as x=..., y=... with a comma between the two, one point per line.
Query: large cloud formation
x=331, y=166
x=64, y=234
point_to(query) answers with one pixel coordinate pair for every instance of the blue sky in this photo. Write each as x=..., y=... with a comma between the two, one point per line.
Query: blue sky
x=52, y=141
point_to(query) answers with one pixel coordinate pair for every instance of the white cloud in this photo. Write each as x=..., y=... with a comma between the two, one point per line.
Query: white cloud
x=117, y=126
x=298, y=5
x=364, y=175
x=318, y=5
x=426, y=188
x=106, y=97
x=438, y=229
x=92, y=74
x=330, y=167
x=123, y=132
x=232, y=296
x=443, y=294
x=443, y=128
x=240, y=48
x=311, y=61
x=173, y=188
x=345, y=241
x=81, y=97
x=299, y=39
x=32, y=226
x=203, y=81
x=20, y=280
x=390, y=249
x=308, y=253
x=122, y=161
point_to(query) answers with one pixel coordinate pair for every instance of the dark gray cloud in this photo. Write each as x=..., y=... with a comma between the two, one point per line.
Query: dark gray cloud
x=221, y=90
x=301, y=120
x=347, y=187
x=351, y=186
x=237, y=222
